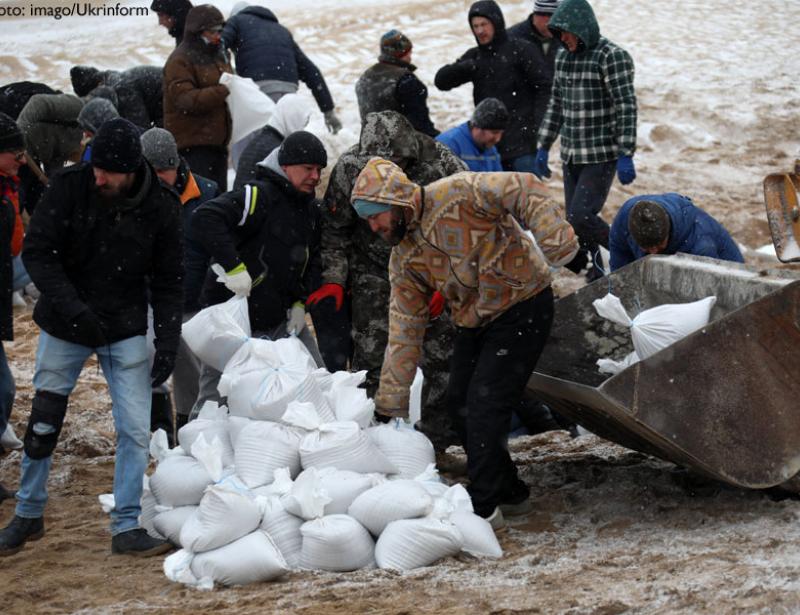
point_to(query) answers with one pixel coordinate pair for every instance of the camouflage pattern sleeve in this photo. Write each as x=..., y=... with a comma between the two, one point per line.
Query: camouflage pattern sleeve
x=339, y=222
x=449, y=162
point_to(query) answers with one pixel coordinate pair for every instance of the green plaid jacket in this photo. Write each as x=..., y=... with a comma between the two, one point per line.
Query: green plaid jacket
x=592, y=105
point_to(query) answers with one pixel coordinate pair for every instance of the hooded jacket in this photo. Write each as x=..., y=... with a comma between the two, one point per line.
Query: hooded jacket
x=195, y=111
x=509, y=69
x=178, y=10
x=273, y=229
x=593, y=101
x=692, y=231
x=265, y=50
x=84, y=253
x=138, y=91
x=290, y=115
x=464, y=239
x=349, y=247
x=50, y=125
x=14, y=96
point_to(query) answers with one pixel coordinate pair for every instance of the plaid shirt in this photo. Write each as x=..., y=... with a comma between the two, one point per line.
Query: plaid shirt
x=592, y=105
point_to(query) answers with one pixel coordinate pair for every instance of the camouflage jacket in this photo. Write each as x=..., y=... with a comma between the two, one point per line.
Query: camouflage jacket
x=465, y=239
x=348, y=244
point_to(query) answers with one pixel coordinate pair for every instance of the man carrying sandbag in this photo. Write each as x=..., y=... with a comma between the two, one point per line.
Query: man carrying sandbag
x=266, y=236
x=105, y=233
x=461, y=236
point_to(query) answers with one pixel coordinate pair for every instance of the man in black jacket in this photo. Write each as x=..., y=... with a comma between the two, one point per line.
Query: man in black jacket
x=172, y=15
x=266, y=236
x=104, y=234
x=510, y=69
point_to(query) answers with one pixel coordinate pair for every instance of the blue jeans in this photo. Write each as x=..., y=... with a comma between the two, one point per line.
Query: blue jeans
x=125, y=367
x=7, y=390
x=21, y=277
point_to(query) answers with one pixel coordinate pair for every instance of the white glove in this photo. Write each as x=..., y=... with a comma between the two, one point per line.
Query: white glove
x=237, y=280
x=296, y=319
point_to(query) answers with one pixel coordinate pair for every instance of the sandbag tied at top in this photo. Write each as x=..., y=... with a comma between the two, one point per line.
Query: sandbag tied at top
x=412, y=543
x=408, y=449
x=179, y=480
x=284, y=529
x=215, y=333
x=390, y=501
x=211, y=422
x=479, y=537
x=337, y=543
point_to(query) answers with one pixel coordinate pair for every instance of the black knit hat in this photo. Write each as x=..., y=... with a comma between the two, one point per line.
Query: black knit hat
x=302, y=147
x=116, y=147
x=490, y=114
x=395, y=44
x=648, y=223
x=84, y=79
x=11, y=137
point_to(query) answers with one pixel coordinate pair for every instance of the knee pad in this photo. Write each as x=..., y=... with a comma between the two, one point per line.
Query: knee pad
x=44, y=425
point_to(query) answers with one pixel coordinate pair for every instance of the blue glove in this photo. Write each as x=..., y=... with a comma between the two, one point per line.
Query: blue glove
x=625, y=170
x=540, y=168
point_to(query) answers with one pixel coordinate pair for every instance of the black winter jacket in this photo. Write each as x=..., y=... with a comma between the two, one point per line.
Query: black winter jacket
x=14, y=96
x=264, y=50
x=266, y=140
x=510, y=69
x=83, y=253
x=526, y=31
x=275, y=231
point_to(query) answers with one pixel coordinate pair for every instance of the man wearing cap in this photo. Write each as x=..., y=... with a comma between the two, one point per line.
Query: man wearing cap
x=266, y=237
x=509, y=69
x=12, y=157
x=593, y=109
x=474, y=141
x=666, y=224
x=391, y=85
x=105, y=234
x=172, y=16
x=462, y=236
x=161, y=151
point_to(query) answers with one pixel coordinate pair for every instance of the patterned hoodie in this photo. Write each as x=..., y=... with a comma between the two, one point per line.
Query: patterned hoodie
x=465, y=240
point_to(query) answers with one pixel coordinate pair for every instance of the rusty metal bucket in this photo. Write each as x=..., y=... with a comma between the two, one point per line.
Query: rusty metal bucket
x=724, y=401
x=783, y=213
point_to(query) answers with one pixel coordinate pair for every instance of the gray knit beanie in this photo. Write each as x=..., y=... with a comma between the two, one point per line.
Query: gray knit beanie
x=648, y=223
x=160, y=149
x=95, y=112
x=490, y=114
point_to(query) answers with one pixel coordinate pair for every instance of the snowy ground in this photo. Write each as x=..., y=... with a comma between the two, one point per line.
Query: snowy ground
x=614, y=531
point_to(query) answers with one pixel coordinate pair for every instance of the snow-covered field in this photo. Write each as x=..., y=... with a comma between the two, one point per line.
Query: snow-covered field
x=615, y=531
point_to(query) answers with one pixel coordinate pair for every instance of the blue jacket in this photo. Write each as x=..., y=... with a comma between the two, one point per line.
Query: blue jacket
x=459, y=140
x=265, y=50
x=692, y=231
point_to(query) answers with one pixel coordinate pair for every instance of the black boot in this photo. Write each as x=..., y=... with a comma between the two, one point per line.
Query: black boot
x=138, y=543
x=161, y=416
x=15, y=534
x=5, y=494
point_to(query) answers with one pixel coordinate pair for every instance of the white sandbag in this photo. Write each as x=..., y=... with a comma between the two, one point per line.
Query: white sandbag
x=179, y=480
x=408, y=449
x=284, y=528
x=337, y=543
x=430, y=479
x=226, y=513
x=390, y=501
x=263, y=393
x=351, y=403
x=169, y=522
x=609, y=366
x=344, y=486
x=263, y=447
x=251, y=559
x=655, y=329
x=148, y=504
x=412, y=543
x=215, y=333
x=479, y=537
x=454, y=499
x=281, y=485
x=250, y=108
x=211, y=422
x=306, y=499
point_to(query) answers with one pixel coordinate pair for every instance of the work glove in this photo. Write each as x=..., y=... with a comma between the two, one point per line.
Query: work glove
x=163, y=364
x=540, y=168
x=296, y=318
x=436, y=305
x=88, y=329
x=579, y=262
x=332, y=122
x=625, y=170
x=238, y=281
x=325, y=291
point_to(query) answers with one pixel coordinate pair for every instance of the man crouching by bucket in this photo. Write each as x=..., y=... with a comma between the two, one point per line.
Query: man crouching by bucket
x=462, y=236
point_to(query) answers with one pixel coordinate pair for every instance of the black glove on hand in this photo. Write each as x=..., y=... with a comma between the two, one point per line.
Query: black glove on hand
x=578, y=264
x=88, y=330
x=163, y=364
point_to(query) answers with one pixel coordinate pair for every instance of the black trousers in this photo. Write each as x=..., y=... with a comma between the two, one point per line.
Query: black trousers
x=332, y=328
x=490, y=367
x=586, y=188
x=209, y=161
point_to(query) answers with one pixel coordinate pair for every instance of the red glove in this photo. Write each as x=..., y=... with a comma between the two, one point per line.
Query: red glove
x=436, y=305
x=323, y=292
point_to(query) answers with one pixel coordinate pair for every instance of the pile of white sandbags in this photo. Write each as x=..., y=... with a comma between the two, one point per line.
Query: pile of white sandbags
x=292, y=474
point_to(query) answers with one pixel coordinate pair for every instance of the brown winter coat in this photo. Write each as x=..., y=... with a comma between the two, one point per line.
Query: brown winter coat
x=464, y=240
x=195, y=111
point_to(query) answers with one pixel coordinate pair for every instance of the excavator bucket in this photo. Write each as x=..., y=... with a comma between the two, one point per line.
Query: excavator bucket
x=722, y=401
x=783, y=213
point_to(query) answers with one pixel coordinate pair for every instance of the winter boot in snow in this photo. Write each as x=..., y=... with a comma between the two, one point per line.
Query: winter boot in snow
x=139, y=544
x=497, y=521
x=161, y=416
x=14, y=536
